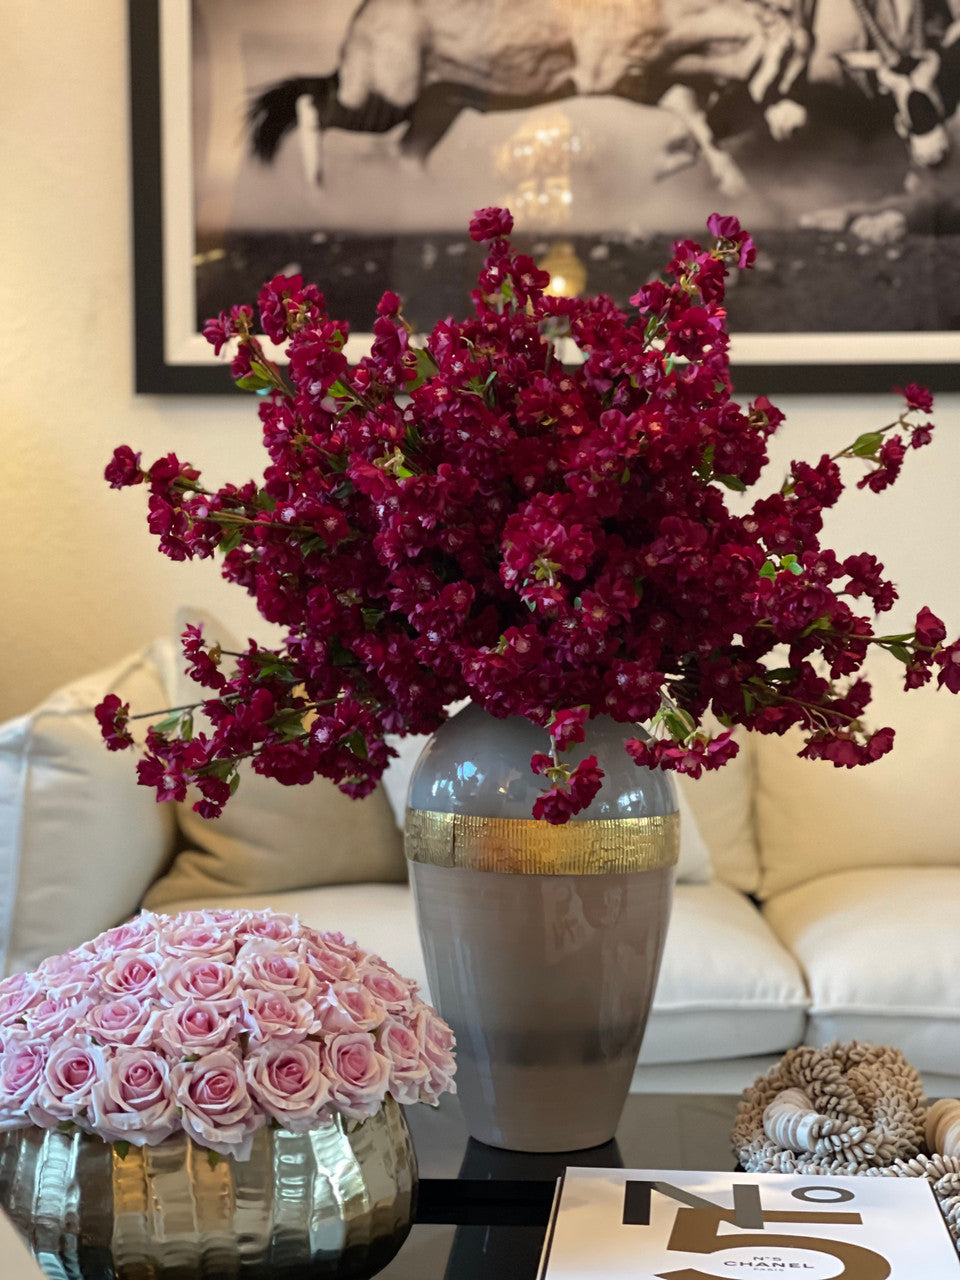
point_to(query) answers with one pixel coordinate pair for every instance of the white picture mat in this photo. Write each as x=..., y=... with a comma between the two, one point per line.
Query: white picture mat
x=184, y=345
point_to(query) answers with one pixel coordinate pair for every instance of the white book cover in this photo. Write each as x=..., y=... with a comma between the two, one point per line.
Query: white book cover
x=669, y=1224
x=16, y=1260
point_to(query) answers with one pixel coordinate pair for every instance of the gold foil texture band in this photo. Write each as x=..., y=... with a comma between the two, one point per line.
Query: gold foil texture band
x=526, y=846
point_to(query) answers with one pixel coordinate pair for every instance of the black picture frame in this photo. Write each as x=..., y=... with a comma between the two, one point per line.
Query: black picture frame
x=159, y=371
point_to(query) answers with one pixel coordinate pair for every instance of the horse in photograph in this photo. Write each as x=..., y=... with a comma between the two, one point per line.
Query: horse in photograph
x=907, y=60
x=420, y=63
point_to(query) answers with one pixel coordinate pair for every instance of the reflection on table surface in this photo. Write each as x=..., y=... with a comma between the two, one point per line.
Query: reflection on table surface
x=482, y=1212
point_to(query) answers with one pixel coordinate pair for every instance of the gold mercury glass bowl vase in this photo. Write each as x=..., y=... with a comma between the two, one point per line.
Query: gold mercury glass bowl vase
x=337, y=1200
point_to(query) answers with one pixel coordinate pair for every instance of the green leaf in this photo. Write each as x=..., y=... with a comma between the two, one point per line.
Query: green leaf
x=900, y=651
x=749, y=701
x=426, y=368
x=822, y=623
x=168, y=723
x=254, y=382
x=219, y=769
x=678, y=725
x=782, y=673
x=230, y=541
x=357, y=743
x=731, y=482
x=339, y=391
x=769, y=570
x=122, y=1148
x=213, y=1159
x=866, y=446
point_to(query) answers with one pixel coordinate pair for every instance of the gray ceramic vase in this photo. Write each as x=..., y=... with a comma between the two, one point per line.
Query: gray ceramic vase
x=542, y=942
x=336, y=1201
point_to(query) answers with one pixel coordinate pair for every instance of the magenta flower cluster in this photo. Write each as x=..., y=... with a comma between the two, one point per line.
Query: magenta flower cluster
x=214, y=1023
x=471, y=516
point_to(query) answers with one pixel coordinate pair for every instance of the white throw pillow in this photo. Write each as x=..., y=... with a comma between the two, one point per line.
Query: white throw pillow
x=80, y=840
x=271, y=838
x=904, y=809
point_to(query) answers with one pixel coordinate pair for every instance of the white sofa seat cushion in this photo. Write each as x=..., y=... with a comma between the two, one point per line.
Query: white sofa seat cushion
x=727, y=988
x=881, y=954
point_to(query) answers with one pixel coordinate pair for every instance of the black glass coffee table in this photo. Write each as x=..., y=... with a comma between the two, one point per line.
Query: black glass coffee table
x=482, y=1213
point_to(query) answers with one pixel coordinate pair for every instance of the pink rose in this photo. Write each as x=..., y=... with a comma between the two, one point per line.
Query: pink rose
x=343, y=946
x=133, y=1101
x=21, y=1073
x=348, y=1006
x=194, y=1027
x=358, y=1075
x=271, y=1016
x=216, y=1104
x=127, y=1020
x=287, y=1081
x=271, y=925
x=129, y=973
x=436, y=1042
x=69, y=1074
x=392, y=991
x=326, y=965
x=408, y=1072
x=211, y=940
x=269, y=966
x=15, y=1033
x=198, y=978
x=72, y=976
x=232, y=920
x=55, y=1015
x=17, y=994
x=138, y=934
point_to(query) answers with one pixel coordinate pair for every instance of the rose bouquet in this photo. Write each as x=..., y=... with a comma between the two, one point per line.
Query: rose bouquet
x=474, y=517
x=215, y=1023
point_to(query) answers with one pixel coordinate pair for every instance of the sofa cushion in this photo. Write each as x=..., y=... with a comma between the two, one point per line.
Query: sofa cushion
x=814, y=819
x=727, y=988
x=80, y=841
x=721, y=803
x=881, y=955
x=271, y=838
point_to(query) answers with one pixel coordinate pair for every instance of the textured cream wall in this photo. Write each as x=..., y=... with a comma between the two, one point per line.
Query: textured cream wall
x=80, y=580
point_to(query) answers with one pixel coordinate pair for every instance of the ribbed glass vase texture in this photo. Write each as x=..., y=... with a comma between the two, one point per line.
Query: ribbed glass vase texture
x=336, y=1201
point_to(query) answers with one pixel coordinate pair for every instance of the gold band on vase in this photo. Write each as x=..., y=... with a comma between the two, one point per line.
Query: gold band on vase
x=527, y=846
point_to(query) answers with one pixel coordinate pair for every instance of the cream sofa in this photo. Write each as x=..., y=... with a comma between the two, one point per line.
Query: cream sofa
x=811, y=902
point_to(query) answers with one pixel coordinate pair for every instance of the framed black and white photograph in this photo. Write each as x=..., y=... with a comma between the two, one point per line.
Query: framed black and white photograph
x=350, y=141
